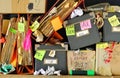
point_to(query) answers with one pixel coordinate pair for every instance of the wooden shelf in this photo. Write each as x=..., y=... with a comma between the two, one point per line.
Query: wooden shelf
x=65, y=76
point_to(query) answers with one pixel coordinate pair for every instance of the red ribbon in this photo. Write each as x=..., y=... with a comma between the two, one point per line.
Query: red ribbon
x=109, y=50
x=2, y=40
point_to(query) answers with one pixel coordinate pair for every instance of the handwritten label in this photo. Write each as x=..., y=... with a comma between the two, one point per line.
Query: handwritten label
x=70, y=30
x=40, y=54
x=85, y=24
x=50, y=61
x=114, y=21
x=56, y=23
x=102, y=45
x=82, y=33
x=34, y=26
x=13, y=30
x=21, y=27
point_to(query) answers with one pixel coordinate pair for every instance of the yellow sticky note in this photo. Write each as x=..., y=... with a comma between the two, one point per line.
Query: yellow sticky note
x=101, y=45
x=35, y=26
x=21, y=27
x=40, y=54
x=114, y=21
x=56, y=23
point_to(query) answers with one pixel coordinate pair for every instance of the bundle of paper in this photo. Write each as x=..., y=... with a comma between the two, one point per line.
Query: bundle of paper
x=24, y=54
x=0, y=31
x=9, y=45
x=53, y=20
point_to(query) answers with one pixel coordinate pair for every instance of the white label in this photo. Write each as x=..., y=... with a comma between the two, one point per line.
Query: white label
x=116, y=29
x=82, y=33
x=50, y=61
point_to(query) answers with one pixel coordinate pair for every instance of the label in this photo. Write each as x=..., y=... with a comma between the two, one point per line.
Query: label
x=40, y=54
x=114, y=21
x=56, y=23
x=34, y=26
x=82, y=33
x=52, y=53
x=101, y=45
x=116, y=29
x=13, y=30
x=85, y=25
x=70, y=30
x=21, y=27
x=50, y=61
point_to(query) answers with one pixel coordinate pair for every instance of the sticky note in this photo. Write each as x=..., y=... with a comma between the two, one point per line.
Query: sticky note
x=40, y=54
x=114, y=21
x=56, y=23
x=102, y=45
x=70, y=30
x=21, y=27
x=35, y=26
x=85, y=25
x=13, y=30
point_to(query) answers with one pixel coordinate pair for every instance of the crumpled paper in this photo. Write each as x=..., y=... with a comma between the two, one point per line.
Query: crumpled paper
x=49, y=71
x=6, y=69
x=77, y=12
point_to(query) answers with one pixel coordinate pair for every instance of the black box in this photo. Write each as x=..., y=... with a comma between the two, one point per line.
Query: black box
x=61, y=57
x=111, y=33
x=86, y=37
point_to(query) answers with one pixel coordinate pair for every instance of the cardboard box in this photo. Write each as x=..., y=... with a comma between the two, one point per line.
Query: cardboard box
x=82, y=60
x=20, y=6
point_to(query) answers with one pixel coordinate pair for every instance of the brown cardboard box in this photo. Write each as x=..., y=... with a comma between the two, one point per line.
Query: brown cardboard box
x=20, y=6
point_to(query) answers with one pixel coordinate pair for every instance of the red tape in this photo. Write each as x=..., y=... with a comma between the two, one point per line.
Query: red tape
x=2, y=40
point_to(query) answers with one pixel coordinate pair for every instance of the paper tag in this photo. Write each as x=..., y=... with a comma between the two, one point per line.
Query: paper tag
x=116, y=29
x=35, y=26
x=40, y=54
x=85, y=24
x=56, y=23
x=102, y=45
x=50, y=61
x=114, y=21
x=52, y=53
x=70, y=30
x=13, y=30
x=82, y=33
x=21, y=27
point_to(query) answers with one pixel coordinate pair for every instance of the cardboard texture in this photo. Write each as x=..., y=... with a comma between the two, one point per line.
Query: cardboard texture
x=5, y=26
x=79, y=38
x=28, y=6
x=111, y=33
x=110, y=67
x=60, y=58
x=83, y=60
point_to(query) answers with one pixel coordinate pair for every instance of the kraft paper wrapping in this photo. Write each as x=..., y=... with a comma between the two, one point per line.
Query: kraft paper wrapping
x=84, y=60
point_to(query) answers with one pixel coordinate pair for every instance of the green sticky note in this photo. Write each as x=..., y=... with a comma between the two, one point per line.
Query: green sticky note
x=40, y=54
x=13, y=30
x=34, y=26
x=70, y=30
x=114, y=21
x=21, y=27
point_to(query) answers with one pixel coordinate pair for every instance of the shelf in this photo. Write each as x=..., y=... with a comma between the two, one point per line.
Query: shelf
x=65, y=76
